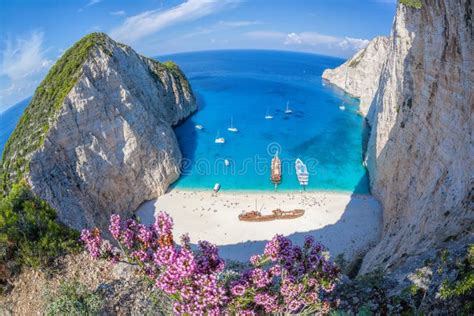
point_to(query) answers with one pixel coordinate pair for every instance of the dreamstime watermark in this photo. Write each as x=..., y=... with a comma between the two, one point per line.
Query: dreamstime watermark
x=254, y=165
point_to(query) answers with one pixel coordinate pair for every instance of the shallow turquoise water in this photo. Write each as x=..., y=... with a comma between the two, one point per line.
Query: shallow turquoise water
x=243, y=85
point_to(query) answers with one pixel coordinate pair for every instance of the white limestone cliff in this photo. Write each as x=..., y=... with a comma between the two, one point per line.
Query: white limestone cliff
x=420, y=151
x=112, y=145
x=359, y=76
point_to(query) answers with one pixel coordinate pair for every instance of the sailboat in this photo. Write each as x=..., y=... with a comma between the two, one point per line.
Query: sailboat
x=288, y=110
x=276, y=170
x=219, y=139
x=268, y=116
x=232, y=128
x=301, y=172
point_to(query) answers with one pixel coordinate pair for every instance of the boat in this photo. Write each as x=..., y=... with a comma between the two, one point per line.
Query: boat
x=342, y=107
x=276, y=170
x=288, y=110
x=301, y=172
x=232, y=128
x=268, y=116
x=219, y=139
x=199, y=126
x=255, y=216
x=226, y=162
x=216, y=188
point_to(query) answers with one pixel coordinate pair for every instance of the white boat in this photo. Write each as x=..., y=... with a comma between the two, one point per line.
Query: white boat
x=301, y=172
x=232, y=128
x=226, y=162
x=268, y=116
x=342, y=107
x=199, y=126
x=216, y=188
x=288, y=110
x=219, y=139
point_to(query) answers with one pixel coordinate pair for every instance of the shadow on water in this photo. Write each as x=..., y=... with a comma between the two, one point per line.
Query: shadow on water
x=186, y=134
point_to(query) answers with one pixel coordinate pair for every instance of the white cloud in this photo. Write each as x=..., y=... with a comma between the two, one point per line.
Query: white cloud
x=23, y=65
x=307, y=41
x=119, y=12
x=89, y=4
x=239, y=23
x=92, y=2
x=309, y=38
x=149, y=22
x=313, y=39
x=24, y=57
x=354, y=43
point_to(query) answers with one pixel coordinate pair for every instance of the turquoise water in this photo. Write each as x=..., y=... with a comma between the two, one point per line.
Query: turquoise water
x=243, y=85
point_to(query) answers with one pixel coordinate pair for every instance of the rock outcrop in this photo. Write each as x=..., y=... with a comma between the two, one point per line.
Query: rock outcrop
x=359, y=76
x=109, y=145
x=420, y=151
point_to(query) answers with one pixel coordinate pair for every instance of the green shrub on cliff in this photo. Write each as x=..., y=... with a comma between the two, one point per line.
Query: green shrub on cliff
x=463, y=286
x=73, y=298
x=29, y=231
x=412, y=3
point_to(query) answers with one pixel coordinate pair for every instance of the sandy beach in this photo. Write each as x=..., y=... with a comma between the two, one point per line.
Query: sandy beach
x=343, y=222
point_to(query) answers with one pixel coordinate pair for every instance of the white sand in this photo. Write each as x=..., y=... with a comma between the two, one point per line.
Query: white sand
x=343, y=222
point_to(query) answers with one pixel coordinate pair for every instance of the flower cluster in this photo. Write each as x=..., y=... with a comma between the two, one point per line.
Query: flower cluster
x=286, y=278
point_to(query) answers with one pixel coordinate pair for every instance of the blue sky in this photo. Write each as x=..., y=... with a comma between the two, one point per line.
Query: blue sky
x=34, y=33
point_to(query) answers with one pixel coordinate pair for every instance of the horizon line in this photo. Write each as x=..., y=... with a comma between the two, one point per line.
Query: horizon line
x=196, y=51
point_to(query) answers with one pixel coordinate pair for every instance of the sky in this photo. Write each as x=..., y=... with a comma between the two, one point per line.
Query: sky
x=34, y=33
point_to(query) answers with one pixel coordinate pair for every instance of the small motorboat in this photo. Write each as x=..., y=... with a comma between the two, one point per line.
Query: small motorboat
x=219, y=139
x=226, y=162
x=301, y=172
x=342, y=107
x=216, y=188
x=232, y=128
x=268, y=116
x=199, y=126
x=288, y=110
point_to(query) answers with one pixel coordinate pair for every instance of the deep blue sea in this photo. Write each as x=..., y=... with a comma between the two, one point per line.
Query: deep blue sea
x=244, y=85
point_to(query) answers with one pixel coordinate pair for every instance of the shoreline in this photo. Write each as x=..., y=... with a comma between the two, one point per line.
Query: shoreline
x=344, y=222
x=282, y=191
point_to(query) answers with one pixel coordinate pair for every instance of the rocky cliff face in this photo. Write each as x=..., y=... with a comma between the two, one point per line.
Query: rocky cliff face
x=360, y=75
x=421, y=144
x=110, y=144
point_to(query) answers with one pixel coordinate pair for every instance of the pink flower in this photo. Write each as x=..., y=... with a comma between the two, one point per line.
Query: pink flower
x=238, y=290
x=288, y=281
x=165, y=256
x=269, y=302
x=92, y=241
x=295, y=305
x=163, y=224
x=115, y=226
x=260, y=277
x=255, y=260
x=275, y=270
